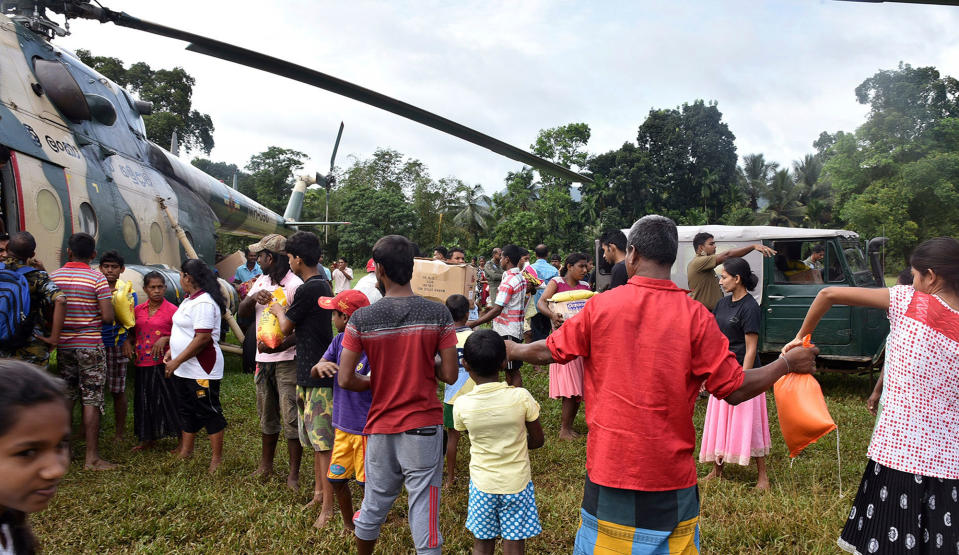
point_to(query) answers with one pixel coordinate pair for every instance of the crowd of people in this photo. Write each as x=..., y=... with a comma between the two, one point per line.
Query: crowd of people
x=365, y=399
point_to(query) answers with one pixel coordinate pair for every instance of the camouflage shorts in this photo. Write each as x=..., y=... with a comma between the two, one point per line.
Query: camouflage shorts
x=314, y=407
x=85, y=372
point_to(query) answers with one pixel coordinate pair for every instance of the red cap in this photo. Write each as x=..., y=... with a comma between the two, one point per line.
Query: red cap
x=370, y=265
x=346, y=302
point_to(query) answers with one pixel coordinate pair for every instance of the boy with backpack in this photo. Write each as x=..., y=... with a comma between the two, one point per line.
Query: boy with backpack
x=30, y=304
x=80, y=355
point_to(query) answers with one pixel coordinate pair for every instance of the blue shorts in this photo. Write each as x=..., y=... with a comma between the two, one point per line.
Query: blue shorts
x=512, y=516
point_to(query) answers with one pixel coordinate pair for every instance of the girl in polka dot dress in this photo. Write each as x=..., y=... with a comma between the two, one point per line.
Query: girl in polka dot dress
x=909, y=494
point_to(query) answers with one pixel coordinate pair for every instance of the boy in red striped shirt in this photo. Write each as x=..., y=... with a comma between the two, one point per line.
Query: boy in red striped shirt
x=80, y=355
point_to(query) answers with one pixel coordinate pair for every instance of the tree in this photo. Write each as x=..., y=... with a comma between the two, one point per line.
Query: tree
x=271, y=173
x=621, y=189
x=897, y=174
x=474, y=213
x=170, y=91
x=692, y=158
x=564, y=145
x=815, y=194
x=756, y=173
x=784, y=208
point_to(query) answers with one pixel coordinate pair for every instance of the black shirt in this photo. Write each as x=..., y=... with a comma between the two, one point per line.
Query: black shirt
x=618, y=275
x=736, y=319
x=314, y=329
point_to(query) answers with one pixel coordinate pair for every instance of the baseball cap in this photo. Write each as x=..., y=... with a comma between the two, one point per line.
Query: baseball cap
x=370, y=265
x=273, y=242
x=346, y=301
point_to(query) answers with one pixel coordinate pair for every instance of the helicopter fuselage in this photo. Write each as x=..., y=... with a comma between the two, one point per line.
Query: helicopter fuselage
x=75, y=157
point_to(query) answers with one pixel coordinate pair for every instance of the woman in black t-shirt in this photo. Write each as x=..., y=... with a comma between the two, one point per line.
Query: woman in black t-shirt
x=738, y=433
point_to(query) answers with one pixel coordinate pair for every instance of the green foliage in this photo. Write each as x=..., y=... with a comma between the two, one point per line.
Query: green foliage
x=755, y=174
x=564, y=145
x=170, y=91
x=552, y=220
x=896, y=175
x=692, y=158
x=784, y=208
x=683, y=165
x=271, y=173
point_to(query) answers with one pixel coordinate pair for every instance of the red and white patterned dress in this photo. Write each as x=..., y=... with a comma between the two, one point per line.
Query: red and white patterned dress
x=918, y=430
x=910, y=489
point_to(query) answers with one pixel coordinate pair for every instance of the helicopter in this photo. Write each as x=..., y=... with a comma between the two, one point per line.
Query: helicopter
x=74, y=155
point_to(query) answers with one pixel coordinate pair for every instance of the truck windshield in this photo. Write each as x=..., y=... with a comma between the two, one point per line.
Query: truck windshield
x=861, y=274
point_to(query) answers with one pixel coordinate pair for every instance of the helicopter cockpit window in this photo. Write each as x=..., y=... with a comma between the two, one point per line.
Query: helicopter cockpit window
x=88, y=219
x=62, y=89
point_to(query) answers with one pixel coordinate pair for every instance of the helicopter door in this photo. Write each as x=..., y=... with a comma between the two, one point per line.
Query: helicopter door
x=42, y=206
x=8, y=192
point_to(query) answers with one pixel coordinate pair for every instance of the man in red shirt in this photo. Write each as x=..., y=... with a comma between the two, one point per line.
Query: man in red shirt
x=647, y=347
x=401, y=335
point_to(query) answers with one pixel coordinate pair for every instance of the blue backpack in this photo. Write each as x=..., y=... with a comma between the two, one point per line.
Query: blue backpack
x=16, y=322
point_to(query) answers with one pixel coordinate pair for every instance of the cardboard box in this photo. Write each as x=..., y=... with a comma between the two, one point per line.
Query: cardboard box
x=227, y=267
x=568, y=308
x=437, y=280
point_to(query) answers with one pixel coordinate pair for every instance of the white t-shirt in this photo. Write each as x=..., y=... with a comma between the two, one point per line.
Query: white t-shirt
x=289, y=283
x=367, y=284
x=340, y=281
x=197, y=312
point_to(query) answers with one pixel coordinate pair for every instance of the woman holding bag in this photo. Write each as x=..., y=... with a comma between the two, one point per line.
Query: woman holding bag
x=195, y=361
x=566, y=380
x=908, y=498
x=738, y=433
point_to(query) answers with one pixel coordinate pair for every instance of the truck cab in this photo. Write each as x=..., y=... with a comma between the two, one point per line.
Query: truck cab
x=789, y=281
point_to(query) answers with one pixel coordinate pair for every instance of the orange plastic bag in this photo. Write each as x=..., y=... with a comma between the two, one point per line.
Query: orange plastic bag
x=268, y=328
x=803, y=415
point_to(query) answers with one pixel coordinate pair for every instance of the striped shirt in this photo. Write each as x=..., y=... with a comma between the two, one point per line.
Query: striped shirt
x=512, y=297
x=400, y=336
x=84, y=288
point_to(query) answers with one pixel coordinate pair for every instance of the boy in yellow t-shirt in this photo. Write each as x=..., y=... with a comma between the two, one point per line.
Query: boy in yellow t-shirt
x=503, y=423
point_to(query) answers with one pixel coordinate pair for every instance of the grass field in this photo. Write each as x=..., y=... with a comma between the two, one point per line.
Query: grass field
x=156, y=504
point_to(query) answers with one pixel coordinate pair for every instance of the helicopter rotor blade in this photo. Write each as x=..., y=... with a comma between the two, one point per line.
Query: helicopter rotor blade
x=283, y=68
x=336, y=146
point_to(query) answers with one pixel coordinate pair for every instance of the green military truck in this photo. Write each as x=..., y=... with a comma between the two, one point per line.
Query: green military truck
x=847, y=336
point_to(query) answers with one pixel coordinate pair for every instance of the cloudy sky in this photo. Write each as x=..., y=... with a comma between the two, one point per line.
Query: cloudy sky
x=782, y=71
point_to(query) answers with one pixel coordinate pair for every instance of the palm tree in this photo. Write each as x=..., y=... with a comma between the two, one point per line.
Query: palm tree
x=756, y=174
x=815, y=194
x=473, y=209
x=785, y=208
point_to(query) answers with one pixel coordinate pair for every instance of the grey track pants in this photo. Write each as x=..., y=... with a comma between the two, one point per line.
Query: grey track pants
x=413, y=458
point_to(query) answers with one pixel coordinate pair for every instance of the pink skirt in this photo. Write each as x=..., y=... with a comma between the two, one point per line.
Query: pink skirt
x=566, y=380
x=734, y=434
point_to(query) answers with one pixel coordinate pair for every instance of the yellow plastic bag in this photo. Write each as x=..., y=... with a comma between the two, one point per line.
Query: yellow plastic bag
x=268, y=328
x=123, y=303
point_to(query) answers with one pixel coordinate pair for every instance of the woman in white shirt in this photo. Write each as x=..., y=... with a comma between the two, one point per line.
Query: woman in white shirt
x=195, y=360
